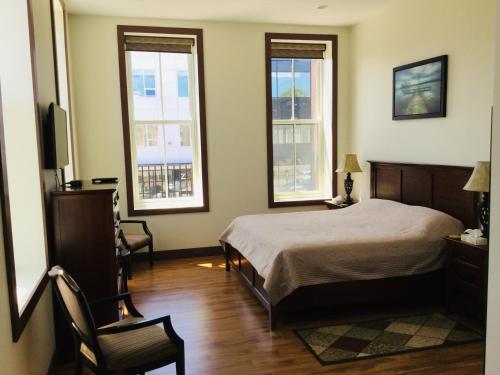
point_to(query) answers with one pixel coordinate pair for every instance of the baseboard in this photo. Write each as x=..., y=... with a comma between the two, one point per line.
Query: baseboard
x=181, y=253
x=52, y=365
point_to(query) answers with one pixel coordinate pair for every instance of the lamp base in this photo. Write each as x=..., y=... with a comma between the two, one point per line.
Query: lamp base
x=348, y=185
x=484, y=214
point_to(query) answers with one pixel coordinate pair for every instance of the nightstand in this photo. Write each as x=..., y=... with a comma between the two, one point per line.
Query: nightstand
x=335, y=206
x=466, y=278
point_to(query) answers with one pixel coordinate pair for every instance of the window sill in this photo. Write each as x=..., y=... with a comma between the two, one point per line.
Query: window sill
x=297, y=203
x=166, y=211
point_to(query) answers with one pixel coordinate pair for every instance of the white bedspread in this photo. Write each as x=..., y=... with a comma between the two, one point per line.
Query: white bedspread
x=372, y=239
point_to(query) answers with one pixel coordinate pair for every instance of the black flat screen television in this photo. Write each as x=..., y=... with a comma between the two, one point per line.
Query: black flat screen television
x=56, y=138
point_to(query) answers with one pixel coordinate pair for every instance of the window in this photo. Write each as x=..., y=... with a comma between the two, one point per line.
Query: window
x=301, y=119
x=144, y=82
x=162, y=87
x=147, y=136
x=182, y=84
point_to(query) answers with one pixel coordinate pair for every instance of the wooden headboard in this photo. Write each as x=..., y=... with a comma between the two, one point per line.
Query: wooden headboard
x=435, y=186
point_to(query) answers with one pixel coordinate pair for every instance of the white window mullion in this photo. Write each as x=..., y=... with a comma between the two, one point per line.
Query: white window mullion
x=194, y=131
x=163, y=83
x=132, y=124
x=293, y=89
x=294, y=158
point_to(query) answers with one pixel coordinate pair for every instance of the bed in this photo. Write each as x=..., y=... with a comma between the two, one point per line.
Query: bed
x=383, y=248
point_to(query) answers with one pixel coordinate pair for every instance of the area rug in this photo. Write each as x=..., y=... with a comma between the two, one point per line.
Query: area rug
x=375, y=338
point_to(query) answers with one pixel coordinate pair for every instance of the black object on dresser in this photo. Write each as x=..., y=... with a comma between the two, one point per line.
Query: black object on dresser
x=86, y=225
x=466, y=278
x=335, y=206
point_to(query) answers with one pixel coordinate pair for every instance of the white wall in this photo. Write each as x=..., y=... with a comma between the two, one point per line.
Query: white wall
x=493, y=319
x=34, y=350
x=236, y=117
x=31, y=355
x=412, y=31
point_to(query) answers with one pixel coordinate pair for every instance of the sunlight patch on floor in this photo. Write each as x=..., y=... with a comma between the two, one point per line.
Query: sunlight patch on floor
x=205, y=265
x=210, y=265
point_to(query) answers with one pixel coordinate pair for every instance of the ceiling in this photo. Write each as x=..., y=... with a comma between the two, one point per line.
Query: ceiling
x=305, y=12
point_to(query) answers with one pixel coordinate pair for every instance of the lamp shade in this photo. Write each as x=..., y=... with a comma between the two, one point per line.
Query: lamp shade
x=349, y=164
x=480, y=178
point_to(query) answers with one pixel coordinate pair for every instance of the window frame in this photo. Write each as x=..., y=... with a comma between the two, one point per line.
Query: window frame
x=272, y=203
x=200, y=98
x=20, y=315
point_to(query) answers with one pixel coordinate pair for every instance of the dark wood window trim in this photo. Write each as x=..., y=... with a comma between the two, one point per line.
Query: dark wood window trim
x=56, y=72
x=121, y=30
x=269, y=115
x=19, y=321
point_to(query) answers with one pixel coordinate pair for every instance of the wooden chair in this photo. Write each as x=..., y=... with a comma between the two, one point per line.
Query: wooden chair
x=124, y=255
x=130, y=346
x=134, y=242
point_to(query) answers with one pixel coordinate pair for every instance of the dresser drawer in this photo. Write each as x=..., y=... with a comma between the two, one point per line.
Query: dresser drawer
x=466, y=272
x=466, y=254
x=471, y=304
x=464, y=296
x=463, y=287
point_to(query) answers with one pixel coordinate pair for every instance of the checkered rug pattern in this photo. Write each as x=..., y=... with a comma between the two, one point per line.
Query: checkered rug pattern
x=347, y=342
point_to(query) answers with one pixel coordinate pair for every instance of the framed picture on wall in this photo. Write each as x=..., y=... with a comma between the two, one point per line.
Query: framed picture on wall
x=419, y=89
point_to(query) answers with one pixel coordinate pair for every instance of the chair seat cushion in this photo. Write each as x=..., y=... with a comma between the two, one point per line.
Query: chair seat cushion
x=134, y=348
x=137, y=241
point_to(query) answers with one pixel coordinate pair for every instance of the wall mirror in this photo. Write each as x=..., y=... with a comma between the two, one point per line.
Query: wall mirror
x=22, y=198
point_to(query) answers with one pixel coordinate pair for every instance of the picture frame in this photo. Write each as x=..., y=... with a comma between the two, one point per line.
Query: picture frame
x=419, y=89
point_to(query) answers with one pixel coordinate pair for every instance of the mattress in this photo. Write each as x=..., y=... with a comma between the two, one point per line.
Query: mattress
x=372, y=239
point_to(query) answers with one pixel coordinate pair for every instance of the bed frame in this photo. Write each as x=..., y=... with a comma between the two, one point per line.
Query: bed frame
x=436, y=186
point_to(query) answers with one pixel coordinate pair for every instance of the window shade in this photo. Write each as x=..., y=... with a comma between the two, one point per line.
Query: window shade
x=158, y=44
x=298, y=50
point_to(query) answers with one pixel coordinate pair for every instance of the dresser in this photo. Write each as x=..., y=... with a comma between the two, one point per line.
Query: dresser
x=85, y=235
x=466, y=278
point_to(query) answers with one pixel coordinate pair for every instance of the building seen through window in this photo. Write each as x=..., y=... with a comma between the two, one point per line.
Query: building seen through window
x=163, y=121
x=144, y=82
x=296, y=96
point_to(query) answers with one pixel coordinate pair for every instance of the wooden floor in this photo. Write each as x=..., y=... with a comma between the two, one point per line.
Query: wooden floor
x=227, y=334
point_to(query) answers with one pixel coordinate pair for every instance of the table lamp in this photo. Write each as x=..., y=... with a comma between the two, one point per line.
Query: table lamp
x=480, y=181
x=349, y=164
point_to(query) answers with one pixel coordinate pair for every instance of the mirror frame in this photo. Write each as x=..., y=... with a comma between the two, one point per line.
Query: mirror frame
x=20, y=320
